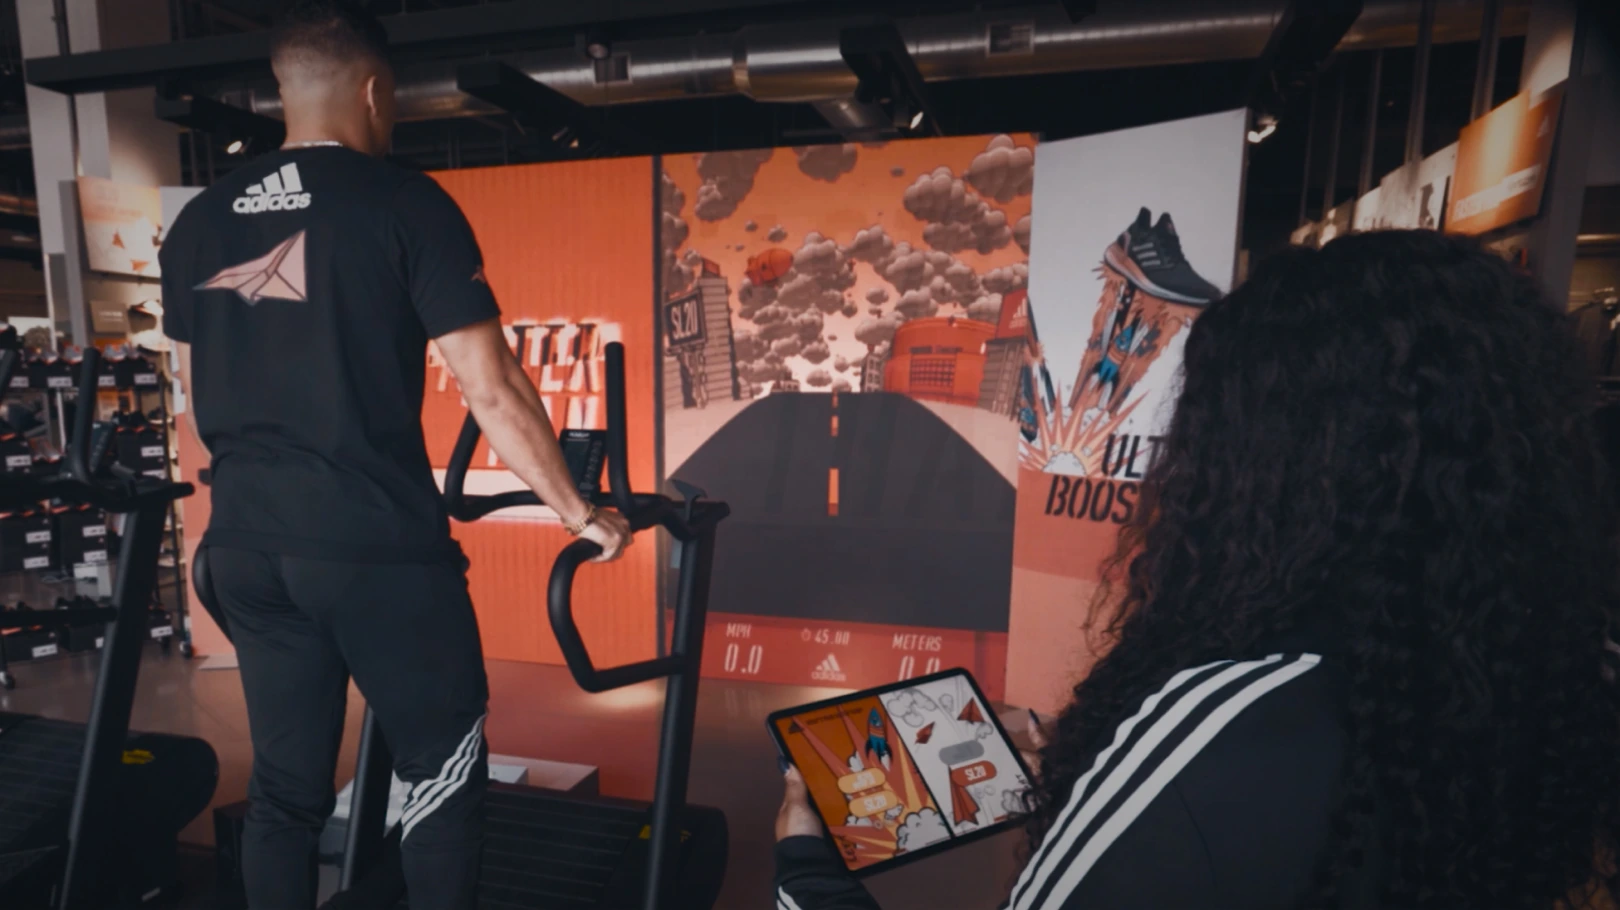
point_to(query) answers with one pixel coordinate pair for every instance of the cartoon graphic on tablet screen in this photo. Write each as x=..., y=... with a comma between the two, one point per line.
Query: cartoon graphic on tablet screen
x=851, y=758
x=908, y=767
x=962, y=759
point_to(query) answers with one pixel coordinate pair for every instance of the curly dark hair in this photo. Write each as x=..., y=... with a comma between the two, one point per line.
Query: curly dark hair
x=1391, y=436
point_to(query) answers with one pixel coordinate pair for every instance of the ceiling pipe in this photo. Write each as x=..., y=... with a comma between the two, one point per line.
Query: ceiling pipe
x=800, y=62
x=13, y=132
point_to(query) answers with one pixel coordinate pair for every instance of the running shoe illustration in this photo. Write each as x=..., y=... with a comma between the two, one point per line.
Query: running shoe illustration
x=1149, y=256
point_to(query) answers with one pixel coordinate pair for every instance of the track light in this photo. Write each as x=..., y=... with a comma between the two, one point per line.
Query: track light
x=1266, y=126
x=916, y=119
x=236, y=147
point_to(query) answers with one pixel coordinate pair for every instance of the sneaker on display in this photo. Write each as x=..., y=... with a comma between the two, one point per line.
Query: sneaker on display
x=1149, y=256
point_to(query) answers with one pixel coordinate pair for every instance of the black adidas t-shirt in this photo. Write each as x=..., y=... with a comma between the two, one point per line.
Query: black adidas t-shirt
x=308, y=284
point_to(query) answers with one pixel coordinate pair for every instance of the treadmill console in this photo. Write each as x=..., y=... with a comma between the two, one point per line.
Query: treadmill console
x=585, y=451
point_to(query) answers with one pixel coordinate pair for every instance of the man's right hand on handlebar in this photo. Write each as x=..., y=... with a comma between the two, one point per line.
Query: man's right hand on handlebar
x=611, y=532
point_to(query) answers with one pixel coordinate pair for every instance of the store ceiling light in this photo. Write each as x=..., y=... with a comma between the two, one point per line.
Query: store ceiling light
x=236, y=147
x=1259, y=135
x=887, y=77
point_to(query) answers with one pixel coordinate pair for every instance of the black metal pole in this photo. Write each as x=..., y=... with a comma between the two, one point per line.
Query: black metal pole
x=1330, y=185
x=1310, y=141
x=680, y=715
x=94, y=817
x=1369, y=146
x=368, y=804
x=1490, y=30
x=1420, y=83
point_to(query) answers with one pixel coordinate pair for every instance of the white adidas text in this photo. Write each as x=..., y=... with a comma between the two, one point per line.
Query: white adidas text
x=282, y=191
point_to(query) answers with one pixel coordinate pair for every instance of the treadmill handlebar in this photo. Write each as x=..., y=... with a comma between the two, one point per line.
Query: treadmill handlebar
x=560, y=597
x=84, y=416
x=686, y=522
x=8, y=368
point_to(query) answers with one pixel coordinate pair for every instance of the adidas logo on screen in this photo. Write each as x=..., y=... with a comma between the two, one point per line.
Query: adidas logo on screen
x=828, y=670
x=282, y=191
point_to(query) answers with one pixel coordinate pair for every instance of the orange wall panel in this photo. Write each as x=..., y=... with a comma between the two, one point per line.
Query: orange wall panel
x=565, y=244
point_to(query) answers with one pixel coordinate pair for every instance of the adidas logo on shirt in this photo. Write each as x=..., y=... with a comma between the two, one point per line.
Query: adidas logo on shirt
x=282, y=191
x=828, y=670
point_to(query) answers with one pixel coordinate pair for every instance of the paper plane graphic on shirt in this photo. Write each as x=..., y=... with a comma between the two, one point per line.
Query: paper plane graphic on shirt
x=277, y=275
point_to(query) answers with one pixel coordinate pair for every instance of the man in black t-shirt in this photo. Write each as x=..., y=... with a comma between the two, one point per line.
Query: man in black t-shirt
x=302, y=291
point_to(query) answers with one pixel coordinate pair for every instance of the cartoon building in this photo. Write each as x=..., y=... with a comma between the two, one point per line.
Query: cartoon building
x=872, y=370
x=701, y=361
x=1004, y=356
x=940, y=358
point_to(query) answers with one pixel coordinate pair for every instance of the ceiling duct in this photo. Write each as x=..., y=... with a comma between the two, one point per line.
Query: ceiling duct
x=800, y=62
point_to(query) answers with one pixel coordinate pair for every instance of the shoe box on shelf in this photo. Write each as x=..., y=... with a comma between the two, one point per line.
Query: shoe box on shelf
x=82, y=636
x=141, y=449
x=106, y=373
x=50, y=371
x=81, y=536
x=143, y=374
x=18, y=457
x=126, y=369
x=29, y=644
x=160, y=623
x=48, y=466
x=26, y=537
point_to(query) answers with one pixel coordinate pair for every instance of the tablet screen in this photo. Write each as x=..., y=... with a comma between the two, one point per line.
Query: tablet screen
x=905, y=770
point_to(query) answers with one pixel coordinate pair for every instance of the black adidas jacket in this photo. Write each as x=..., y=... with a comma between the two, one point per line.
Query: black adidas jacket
x=1219, y=791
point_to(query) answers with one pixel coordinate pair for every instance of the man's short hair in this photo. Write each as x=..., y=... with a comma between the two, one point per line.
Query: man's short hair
x=328, y=31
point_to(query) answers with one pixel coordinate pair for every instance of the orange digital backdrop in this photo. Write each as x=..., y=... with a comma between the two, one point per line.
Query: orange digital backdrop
x=842, y=342
x=568, y=251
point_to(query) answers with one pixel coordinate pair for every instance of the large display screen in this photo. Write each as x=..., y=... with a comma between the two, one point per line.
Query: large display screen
x=905, y=770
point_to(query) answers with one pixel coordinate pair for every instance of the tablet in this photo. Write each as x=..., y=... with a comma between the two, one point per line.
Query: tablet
x=906, y=770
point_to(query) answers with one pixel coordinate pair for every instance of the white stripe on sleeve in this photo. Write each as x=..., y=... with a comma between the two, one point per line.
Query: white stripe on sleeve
x=1121, y=735
x=1166, y=771
x=1063, y=840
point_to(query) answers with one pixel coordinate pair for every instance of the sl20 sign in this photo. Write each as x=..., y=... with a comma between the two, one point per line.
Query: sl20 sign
x=683, y=323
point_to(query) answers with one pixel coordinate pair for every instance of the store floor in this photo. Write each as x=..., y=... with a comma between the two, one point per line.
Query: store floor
x=537, y=711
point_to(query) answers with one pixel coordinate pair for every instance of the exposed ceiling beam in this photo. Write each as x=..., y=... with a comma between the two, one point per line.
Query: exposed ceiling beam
x=201, y=58
x=210, y=116
x=573, y=126
x=230, y=17
x=1305, y=36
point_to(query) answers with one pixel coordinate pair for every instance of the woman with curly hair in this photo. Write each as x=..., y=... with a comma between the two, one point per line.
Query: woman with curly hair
x=1361, y=628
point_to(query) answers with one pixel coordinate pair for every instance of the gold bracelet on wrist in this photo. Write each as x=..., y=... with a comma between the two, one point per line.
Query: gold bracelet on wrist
x=577, y=528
